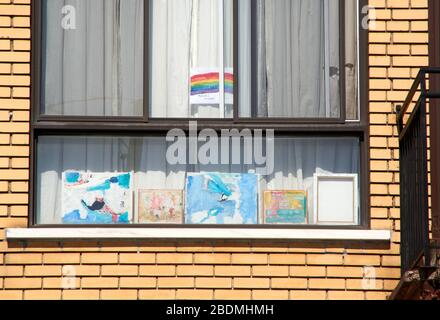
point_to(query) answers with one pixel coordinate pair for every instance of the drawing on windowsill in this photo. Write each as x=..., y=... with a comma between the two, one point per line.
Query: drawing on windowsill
x=96, y=197
x=221, y=198
x=160, y=206
x=285, y=207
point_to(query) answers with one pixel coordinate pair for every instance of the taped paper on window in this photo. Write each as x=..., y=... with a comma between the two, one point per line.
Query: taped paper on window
x=205, y=86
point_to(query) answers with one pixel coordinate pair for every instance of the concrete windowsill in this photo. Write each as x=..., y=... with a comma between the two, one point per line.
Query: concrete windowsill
x=197, y=233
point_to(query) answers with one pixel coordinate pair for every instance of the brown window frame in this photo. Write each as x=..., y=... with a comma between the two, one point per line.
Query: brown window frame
x=43, y=125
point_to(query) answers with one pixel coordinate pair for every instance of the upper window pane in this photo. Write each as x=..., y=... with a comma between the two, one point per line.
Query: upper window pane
x=190, y=45
x=92, y=58
x=289, y=58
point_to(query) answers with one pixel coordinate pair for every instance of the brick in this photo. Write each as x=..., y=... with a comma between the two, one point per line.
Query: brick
x=137, y=282
x=194, y=294
x=89, y=282
x=42, y=294
x=308, y=295
x=283, y=259
x=157, y=294
x=11, y=294
x=232, y=271
x=119, y=270
x=306, y=271
x=324, y=259
x=41, y=271
x=361, y=260
x=24, y=258
x=175, y=282
x=213, y=283
x=270, y=271
x=119, y=294
x=20, y=163
x=195, y=270
x=251, y=283
x=157, y=271
x=220, y=294
x=212, y=258
x=140, y=258
x=11, y=271
x=174, y=258
x=343, y=272
x=289, y=283
x=238, y=258
x=61, y=258
x=80, y=294
x=99, y=258
x=391, y=261
x=22, y=283
x=270, y=294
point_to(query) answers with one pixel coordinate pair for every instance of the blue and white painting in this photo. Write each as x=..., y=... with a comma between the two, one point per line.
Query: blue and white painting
x=221, y=198
x=96, y=197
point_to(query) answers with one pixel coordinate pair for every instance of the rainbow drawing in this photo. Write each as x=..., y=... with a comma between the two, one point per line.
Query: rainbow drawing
x=205, y=83
x=209, y=83
x=229, y=83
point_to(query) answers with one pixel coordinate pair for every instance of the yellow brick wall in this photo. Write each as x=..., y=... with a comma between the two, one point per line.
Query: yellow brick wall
x=212, y=269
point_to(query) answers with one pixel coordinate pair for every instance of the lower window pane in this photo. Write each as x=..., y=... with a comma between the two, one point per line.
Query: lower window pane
x=147, y=180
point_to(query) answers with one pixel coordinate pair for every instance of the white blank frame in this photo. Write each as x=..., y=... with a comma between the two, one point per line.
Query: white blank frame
x=336, y=199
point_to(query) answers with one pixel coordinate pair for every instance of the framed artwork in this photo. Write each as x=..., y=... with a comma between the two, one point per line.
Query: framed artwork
x=285, y=207
x=221, y=198
x=160, y=206
x=97, y=197
x=336, y=199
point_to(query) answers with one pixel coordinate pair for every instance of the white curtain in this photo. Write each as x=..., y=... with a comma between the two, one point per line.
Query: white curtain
x=295, y=162
x=94, y=67
x=185, y=36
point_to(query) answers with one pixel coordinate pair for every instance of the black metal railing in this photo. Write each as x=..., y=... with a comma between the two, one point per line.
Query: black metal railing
x=414, y=197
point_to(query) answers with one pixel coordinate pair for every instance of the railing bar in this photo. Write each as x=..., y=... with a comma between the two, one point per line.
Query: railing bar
x=411, y=117
x=410, y=96
x=424, y=184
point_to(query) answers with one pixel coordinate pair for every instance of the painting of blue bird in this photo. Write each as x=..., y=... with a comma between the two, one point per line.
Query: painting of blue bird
x=221, y=198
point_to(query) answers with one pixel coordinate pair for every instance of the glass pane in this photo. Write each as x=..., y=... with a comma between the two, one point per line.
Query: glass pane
x=148, y=180
x=92, y=58
x=289, y=58
x=191, y=42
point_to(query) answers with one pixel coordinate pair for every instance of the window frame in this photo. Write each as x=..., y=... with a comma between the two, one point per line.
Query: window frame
x=41, y=125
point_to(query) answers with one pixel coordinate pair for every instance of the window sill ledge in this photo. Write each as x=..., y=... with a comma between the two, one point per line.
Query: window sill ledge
x=196, y=234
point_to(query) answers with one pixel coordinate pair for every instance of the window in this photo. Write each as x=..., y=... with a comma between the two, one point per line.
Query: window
x=188, y=112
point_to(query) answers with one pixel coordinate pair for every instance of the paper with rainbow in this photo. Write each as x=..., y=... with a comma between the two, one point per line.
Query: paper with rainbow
x=205, y=86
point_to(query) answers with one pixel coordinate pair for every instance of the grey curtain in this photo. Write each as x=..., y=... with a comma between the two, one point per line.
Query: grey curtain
x=96, y=68
x=294, y=46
